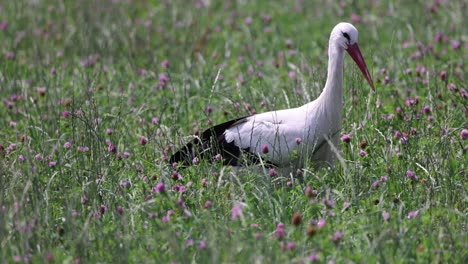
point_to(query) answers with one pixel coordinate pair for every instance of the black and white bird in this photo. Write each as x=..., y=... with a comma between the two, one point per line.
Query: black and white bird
x=283, y=137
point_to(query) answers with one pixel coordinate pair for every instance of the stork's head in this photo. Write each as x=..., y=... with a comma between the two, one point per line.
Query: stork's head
x=345, y=35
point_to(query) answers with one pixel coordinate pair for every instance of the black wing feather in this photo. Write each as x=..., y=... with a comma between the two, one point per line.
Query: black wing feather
x=210, y=143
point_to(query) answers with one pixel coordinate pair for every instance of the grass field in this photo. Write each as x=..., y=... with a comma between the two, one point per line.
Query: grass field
x=96, y=94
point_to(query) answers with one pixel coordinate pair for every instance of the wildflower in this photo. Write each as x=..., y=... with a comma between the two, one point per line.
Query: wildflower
x=383, y=178
x=9, y=104
x=84, y=199
x=67, y=145
x=176, y=175
x=266, y=19
x=328, y=203
x=120, y=210
x=195, y=161
x=298, y=140
x=456, y=44
x=291, y=75
x=52, y=164
x=265, y=149
x=165, y=64
x=346, y=138
x=426, y=109
x=311, y=230
x=375, y=184
x=272, y=172
x=53, y=71
x=21, y=158
x=291, y=245
x=4, y=25
x=218, y=157
x=41, y=91
x=443, y=75
x=346, y=205
x=179, y=188
x=411, y=175
x=355, y=18
x=126, y=154
x=463, y=93
x=49, y=257
x=385, y=216
x=207, y=204
x=83, y=148
x=163, y=80
x=321, y=223
x=386, y=79
x=152, y=215
x=11, y=147
x=204, y=182
x=66, y=113
x=143, y=141
x=202, y=244
x=125, y=184
x=97, y=215
x=410, y=102
x=313, y=257
x=279, y=232
x=336, y=238
x=362, y=153
x=111, y=148
x=10, y=55
x=159, y=188
x=413, y=214
x=363, y=144
x=103, y=208
x=404, y=139
x=109, y=131
x=236, y=211
x=464, y=134
x=309, y=192
x=181, y=203
x=167, y=217
x=296, y=219
x=12, y=123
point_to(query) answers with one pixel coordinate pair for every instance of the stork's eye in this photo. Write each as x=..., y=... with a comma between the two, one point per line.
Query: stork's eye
x=346, y=36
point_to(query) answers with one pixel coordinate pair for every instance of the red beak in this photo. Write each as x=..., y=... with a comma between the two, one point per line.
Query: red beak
x=355, y=53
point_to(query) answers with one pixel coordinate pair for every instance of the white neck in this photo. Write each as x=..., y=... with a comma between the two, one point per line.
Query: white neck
x=329, y=105
x=332, y=94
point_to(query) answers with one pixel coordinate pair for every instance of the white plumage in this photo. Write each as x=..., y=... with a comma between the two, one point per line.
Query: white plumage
x=286, y=136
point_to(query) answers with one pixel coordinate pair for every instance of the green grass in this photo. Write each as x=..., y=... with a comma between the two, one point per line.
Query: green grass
x=101, y=62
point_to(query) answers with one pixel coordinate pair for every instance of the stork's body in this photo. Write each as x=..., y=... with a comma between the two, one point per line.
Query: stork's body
x=285, y=136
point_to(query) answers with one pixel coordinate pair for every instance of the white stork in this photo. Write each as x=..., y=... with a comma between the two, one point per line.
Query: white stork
x=288, y=136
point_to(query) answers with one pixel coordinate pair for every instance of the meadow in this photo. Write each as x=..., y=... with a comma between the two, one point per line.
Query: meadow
x=97, y=94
